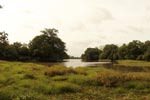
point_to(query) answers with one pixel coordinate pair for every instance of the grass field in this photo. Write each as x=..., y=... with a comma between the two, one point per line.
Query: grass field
x=30, y=81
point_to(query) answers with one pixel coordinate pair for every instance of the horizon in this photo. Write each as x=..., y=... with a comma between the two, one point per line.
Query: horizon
x=81, y=23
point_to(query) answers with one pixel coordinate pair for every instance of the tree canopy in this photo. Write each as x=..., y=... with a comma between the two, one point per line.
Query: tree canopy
x=135, y=50
x=3, y=44
x=91, y=54
x=110, y=52
x=49, y=47
x=45, y=47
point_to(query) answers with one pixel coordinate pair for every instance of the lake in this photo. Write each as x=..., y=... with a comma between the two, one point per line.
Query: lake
x=78, y=63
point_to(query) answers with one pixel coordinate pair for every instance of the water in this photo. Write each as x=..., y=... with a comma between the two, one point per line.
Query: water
x=79, y=63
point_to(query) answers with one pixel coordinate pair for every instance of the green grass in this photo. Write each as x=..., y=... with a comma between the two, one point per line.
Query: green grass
x=30, y=81
x=134, y=63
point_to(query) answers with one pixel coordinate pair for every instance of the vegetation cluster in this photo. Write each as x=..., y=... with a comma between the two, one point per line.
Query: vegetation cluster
x=45, y=47
x=30, y=81
x=135, y=50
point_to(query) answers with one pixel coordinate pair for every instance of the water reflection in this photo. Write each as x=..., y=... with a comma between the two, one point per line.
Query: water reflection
x=79, y=63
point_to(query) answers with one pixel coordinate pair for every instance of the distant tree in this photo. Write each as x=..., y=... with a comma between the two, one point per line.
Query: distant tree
x=110, y=52
x=22, y=50
x=17, y=46
x=73, y=57
x=91, y=54
x=146, y=55
x=134, y=48
x=47, y=46
x=122, y=51
x=3, y=38
x=10, y=53
x=24, y=54
x=146, y=46
x=3, y=43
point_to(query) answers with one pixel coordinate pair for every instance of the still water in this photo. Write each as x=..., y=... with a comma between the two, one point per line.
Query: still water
x=79, y=63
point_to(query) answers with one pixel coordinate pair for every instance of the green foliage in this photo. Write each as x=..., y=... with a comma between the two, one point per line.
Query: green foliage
x=122, y=51
x=3, y=43
x=147, y=55
x=10, y=53
x=91, y=54
x=22, y=50
x=26, y=81
x=3, y=38
x=15, y=51
x=5, y=96
x=45, y=47
x=135, y=50
x=48, y=46
x=110, y=52
x=83, y=80
x=133, y=63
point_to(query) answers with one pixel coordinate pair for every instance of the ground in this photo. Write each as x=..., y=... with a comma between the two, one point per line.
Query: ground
x=125, y=80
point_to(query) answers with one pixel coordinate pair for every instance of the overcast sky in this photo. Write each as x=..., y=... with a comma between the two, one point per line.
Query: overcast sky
x=81, y=23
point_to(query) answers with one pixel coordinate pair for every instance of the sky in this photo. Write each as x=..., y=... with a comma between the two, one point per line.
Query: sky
x=81, y=23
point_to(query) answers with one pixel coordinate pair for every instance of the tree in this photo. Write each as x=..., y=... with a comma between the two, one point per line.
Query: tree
x=22, y=50
x=146, y=46
x=146, y=55
x=110, y=52
x=10, y=53
x=91, y=54
x=134, y=48
x=3, y=43
x=122, y=51
x=3, y=38
x=47, y=46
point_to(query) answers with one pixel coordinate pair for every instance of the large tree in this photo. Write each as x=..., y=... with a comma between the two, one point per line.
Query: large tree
x=47, y=46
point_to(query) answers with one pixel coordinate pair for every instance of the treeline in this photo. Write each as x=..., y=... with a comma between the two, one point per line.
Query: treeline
x=45, y=47
x=135, y=50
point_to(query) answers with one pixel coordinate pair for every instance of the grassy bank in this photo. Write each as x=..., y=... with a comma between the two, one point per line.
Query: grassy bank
x=134, y=63
x=30, y=81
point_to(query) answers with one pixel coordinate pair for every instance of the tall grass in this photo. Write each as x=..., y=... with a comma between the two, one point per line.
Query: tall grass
x=30, y=81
